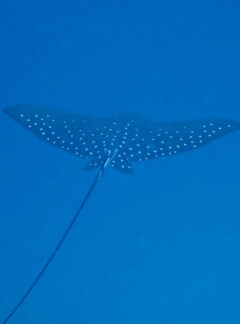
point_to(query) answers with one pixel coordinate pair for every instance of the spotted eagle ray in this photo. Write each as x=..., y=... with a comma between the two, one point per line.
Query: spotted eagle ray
x=117, y=141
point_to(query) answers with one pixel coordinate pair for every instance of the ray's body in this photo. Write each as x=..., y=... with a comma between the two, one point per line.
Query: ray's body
x=118, y=141
x=133, y=137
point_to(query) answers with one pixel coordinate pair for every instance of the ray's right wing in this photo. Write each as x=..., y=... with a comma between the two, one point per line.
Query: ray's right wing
x=151, y=140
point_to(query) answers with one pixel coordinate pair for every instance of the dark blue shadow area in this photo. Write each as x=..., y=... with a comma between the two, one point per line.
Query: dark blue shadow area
x=161, y=245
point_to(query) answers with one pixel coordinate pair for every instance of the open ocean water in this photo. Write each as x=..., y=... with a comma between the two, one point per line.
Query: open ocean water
x=161, y=245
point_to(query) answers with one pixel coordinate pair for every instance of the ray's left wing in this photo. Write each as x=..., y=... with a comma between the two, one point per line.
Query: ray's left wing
x=80, y=135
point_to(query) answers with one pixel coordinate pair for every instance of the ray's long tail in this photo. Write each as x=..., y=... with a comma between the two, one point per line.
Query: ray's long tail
x=64, y=236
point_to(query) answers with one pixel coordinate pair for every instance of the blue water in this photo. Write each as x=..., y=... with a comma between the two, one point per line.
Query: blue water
x=161, y=246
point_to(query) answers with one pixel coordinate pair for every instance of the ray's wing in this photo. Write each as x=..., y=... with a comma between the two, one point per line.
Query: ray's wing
x=180, y=137
x=147, y=140
x=80, y=135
